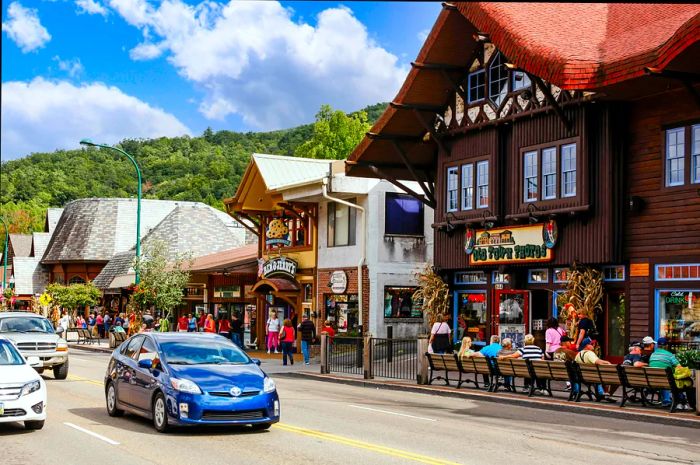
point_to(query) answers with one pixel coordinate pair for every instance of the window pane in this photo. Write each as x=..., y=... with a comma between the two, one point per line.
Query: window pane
x=399, y=303
x=678, y=310
x=477, y=85
x=695, y=162
x=520, y=80
x=452, y=182
x=498, y=80
x=568, y=161
x=404, y=215
x=468, y=186
x=482, y=183
x=675, y=157
x=549, y=173
x=342, y=224
x=530, y=167
x=472, y=313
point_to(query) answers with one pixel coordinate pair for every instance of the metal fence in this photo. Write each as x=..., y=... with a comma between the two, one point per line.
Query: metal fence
x=345, y=355
x=394, y=358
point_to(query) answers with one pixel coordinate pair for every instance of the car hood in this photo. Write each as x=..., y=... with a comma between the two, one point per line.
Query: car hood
x=32, y=337
x=221, y=377
x=17, y=374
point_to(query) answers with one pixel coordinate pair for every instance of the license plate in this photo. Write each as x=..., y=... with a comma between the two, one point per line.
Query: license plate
x=2, y=408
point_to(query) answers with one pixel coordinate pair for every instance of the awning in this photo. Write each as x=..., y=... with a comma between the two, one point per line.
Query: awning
x=277, y=285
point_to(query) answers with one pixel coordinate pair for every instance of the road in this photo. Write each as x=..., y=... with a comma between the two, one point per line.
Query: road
x=327, y=423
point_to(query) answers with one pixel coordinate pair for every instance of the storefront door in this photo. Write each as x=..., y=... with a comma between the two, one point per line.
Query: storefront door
x=615, y=315
x=510, y=316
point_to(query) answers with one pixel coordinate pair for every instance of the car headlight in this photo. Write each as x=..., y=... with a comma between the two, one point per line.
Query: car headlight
x=185, y=385
x=269, y=385
x=30, y=387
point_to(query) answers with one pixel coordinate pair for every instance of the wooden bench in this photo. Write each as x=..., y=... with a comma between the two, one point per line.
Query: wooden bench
x=446, y=363
x=476, y=365
x=549, y=371
x=644, y=380
x=116, y=338
x=72, y=331
x=516, y=368
x=85, y=336
x=591, y=375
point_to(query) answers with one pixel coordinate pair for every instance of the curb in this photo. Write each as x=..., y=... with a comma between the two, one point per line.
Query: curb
x=90, y=348
x=565, y=406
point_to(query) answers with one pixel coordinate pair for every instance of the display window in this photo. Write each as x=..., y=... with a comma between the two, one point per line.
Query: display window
x=399, y=303
x=472, y=315
x=342, y=311
x=678, y=315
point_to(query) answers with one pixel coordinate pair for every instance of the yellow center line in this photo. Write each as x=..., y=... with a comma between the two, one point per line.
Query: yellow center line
x=331, y=437
x=363, y=445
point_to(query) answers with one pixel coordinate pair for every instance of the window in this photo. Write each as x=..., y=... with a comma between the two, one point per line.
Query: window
x=399, y=303
x=76, y=280
x=675, y=157
x=341, y=224
x=404, y=215
x=498, y=80
x=452, y=182
x=227, y=292
x=695, y=165
x=133, y=348
x=521, y=80
x=614, y=273
x=549, y=174
x=470, y=277
x=689, y=272
x=561, y=275
x=472, y=315
x=500, y=278
x=148, y=351
x=677, y=315
x=477, y=86
x=568, y=170
x=468, y=186
x=531, y=189
x=538, y=276
x=482, y=184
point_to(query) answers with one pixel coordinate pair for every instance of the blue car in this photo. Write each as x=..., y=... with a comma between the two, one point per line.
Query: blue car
x=189, y=379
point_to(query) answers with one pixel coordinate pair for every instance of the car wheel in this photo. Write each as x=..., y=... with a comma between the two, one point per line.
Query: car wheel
x=261, y=426
x=38, y=424
x=111, y=397
x=160, y=413
x=61, y=371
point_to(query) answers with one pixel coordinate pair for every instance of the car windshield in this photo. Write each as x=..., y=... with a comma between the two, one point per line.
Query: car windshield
x=25, y=324
x=203, y=353
x=9, y=355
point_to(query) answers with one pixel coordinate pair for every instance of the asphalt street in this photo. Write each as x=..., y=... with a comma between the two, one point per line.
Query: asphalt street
x=326, y=423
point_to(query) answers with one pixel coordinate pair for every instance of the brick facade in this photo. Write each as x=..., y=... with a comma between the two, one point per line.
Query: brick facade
x=322, y=289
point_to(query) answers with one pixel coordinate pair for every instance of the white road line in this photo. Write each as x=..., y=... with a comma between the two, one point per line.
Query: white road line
x=391, y=413
x=98, y=436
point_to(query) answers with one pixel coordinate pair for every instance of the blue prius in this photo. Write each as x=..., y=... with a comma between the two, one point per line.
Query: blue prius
x=189, y=379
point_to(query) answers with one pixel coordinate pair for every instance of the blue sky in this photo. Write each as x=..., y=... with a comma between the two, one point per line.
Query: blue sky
x=110, y=69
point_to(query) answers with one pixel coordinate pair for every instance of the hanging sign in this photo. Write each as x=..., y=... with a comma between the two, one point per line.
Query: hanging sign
x=339, y=282
x=516, y=244
x=277, y=233
x=279, y=266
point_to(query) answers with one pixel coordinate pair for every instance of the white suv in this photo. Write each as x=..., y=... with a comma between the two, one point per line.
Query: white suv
x=34, y=336
x=22, y=391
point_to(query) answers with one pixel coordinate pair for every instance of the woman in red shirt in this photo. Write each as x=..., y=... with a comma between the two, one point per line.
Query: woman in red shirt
x=287, y=341
x=224, y=325
x=210, y=324
x=182, y=323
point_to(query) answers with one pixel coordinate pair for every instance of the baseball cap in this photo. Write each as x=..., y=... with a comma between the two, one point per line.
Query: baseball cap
x=662, y=341
x=648, y=340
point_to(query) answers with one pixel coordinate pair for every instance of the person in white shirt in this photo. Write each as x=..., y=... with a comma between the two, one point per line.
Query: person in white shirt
x=440, y=340
x=272, y=329
x=64, y=322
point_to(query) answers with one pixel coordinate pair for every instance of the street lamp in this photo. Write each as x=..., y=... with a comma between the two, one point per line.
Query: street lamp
x=4, y=253
x=90, y=143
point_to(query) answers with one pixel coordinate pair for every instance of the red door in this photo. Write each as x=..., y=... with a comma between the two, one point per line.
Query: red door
x=510, y=315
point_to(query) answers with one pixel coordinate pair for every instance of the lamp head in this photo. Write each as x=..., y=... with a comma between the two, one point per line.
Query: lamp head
x=87, y=142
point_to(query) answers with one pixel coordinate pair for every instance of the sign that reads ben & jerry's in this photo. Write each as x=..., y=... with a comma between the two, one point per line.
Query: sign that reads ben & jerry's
x=516, y=244
x=279, y=266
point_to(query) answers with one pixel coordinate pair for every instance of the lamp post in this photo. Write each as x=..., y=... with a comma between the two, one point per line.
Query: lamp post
x=90, y=143
x=4, y=253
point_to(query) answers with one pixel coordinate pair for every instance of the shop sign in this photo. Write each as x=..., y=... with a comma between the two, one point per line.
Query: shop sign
x=679, y=298
x=639, y=270
x=339, y=282
x=279, y=266
x=277, y=233
x=516, y=244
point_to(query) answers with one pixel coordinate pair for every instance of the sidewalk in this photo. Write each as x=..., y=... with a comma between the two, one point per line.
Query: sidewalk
x=629, y=412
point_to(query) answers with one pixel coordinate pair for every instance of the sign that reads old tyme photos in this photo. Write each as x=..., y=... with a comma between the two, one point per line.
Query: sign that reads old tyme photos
x=279, y=266
x=339, y=282
x=516, y=244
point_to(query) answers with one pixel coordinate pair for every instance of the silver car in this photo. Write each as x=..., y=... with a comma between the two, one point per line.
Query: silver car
x=34, y=336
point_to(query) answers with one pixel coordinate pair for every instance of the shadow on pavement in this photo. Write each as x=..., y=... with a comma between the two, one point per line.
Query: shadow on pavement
x=13, y=429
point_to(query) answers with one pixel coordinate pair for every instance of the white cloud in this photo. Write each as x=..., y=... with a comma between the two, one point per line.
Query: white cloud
x=422, y=35
x=91, y=7
x=42, y=115
x=73, y=67
x=255, y=60
x=24, y=27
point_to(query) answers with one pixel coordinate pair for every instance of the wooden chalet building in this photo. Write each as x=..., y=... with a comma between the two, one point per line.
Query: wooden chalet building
x=551, y=134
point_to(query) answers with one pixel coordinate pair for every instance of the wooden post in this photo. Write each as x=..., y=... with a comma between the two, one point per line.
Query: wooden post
x=324, y=353
x=422, y=374
x=367, y=356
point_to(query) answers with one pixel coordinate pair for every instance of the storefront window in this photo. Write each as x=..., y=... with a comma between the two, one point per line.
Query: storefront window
x=342, y=311
x=678, y=315
x=399, y=303
x=470, y=277
x=227, y=292
x=538, y=276
x=614, y=273
x=471, y=315
x=561, y=275
x=500, y=278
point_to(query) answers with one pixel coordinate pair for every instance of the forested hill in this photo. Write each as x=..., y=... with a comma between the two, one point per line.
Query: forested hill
x=205, y=168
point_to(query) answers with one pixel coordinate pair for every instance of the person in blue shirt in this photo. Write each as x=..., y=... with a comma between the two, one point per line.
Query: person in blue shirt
x=491, y=350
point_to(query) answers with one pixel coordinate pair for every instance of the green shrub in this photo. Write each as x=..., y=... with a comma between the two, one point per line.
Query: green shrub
x=689, y=358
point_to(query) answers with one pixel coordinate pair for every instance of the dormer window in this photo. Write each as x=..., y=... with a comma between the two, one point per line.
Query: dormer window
x=477, y=86
x=521, y=80
x=498, y=80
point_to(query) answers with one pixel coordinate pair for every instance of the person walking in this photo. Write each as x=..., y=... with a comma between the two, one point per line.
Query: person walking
x=237, y=330
x=224, y=325
x=272, y=330
x=209, y=324
x=308, y=334
x=286, y=336
x=440, y=336
x=100, y=323
x=191, y=323
x=107, y=322
x=182, y=324
x=64, y=323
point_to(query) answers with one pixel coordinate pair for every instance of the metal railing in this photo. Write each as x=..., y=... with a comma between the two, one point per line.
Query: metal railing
x=394, y=358
x=345, y=355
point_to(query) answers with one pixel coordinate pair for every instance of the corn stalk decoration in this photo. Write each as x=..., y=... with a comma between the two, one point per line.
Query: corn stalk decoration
x=584, y=291
x=433, y=292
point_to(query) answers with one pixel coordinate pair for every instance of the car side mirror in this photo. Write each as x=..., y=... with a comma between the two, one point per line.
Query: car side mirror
x=146, y=363
x=256, y=361
x=34, y=361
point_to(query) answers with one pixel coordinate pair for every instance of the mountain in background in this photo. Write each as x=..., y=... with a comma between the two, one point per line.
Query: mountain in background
x=207, y=168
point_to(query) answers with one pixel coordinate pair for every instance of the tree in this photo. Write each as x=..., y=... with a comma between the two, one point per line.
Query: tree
x=73, y=296
x=335, y=134
x=162, y=280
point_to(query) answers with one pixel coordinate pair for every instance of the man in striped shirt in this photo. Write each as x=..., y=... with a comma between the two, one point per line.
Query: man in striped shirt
x=529, y=352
